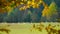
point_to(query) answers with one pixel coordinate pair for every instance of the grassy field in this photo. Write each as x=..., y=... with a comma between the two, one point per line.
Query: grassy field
x=23, y=28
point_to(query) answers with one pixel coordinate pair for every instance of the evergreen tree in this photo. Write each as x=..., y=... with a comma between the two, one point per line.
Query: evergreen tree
x=51, y=14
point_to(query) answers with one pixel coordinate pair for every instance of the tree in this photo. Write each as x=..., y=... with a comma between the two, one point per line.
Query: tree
x=51, y=13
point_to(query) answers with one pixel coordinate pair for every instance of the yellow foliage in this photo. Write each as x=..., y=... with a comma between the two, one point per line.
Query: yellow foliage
x=28, y=2
x=9, y=9
x=21, y=3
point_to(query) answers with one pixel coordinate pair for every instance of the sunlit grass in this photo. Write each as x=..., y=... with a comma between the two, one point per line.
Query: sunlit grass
x=25, y=28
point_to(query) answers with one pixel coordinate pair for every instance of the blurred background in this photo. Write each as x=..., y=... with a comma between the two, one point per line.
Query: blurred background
x=29, y=11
